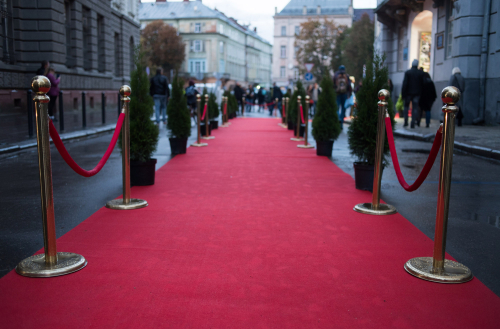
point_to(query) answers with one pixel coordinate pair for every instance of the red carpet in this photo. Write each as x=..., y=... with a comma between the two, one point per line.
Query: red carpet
x=249, y=232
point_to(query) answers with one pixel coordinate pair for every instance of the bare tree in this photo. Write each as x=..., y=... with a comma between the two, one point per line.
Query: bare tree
x=162, y=45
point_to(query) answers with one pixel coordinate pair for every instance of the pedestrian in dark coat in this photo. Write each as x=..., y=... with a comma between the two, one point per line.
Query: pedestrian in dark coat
x=44, y=69
x=276, y=93
x=53, y=92
x=343, y=88
x=411, y=92
x=161, y=92
x=238, y=93
x=428, y=97
x=458, y=81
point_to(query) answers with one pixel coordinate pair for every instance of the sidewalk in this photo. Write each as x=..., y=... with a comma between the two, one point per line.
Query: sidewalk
x=478, y=140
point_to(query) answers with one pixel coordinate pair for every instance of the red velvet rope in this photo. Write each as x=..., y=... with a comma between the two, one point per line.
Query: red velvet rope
x=204, y=112
x=225, y=108
x=284, y=113
x=302, y=114
x=69, y=160
x=428, y=164
x=265, y=104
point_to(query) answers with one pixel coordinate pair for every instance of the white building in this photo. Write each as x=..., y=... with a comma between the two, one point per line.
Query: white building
x=216, y=45
x=287, y=26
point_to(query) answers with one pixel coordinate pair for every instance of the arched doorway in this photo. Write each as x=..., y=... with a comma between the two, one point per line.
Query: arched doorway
x=421, y=40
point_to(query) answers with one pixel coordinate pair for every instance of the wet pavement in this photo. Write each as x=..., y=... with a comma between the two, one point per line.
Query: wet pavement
x=474, y=221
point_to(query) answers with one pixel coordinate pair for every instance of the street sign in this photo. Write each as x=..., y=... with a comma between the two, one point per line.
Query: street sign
x=309, y=67
x=308, y=76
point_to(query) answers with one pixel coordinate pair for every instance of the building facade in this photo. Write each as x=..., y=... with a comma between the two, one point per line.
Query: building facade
x=88, y=42
x=287, y=26
x=443, y=34
x=216, y=45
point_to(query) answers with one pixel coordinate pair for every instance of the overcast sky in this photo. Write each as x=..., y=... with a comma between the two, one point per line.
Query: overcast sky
x=259, y=13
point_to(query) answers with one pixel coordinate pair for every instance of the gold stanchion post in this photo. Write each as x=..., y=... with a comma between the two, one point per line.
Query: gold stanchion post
x=198, y=139
x=224, y=116
x=243, y=104
x=50, y=263
x=287, y=107
x=207, y=128
x=297, y=137
x=437, y=268
x=377, y=208
x=306, y=145
x=126, y=203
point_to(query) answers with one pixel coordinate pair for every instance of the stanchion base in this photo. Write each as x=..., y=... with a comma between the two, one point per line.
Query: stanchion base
x=208, y=137
x=118, y=204
x=383, y=209
x=199, y=144
x=308, y=146
x=224, y=125
x=295, y=139
x=35, y=267
x=454, y=272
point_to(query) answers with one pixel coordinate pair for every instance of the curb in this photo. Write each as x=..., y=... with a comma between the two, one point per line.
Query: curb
x=475, y=150
x=64, y=137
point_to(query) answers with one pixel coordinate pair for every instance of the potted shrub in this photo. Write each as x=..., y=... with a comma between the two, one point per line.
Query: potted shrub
x=144, y=134
x=213, y=111
x=179, y=119
x=362, y=132
x=326, y=126
x=293, y=109
x=232, y=105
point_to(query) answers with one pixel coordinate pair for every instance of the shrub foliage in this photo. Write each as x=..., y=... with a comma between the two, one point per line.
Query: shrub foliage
x=326, y=122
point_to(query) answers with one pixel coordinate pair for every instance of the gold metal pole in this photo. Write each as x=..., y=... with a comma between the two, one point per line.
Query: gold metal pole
x=207, y=128
x=377, y=208
x=126, y=203
x=198, y=141
x=306, y=145
x=287, y=106
x=297, y=137
x=224, y=116
x=51, y=263
x=437, y=268
x=243, y=104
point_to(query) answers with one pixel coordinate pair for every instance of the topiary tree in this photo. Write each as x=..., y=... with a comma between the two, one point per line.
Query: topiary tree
x=363, y=129
x=213, y=108
x=144, y=134
x=326, y=121
x=232, y=103
x=179, y=119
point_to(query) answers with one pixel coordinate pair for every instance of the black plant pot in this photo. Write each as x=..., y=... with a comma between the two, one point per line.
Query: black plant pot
x=178, y=145
x=324, y=148
x=363, y=176
x=214, y=124
x=291, y=126
x=142, y=173
x=203, y=129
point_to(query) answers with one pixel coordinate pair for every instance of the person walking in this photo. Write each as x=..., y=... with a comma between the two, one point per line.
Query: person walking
x=44, y=69
x=411, y=92
x=191, y=93
x=160, y=91
x=316, y=91
x=53, y=92
x=249, y=99
x=342, y=86
x=427, y=99
x=458, y=81
x=276, y=94
x=261, y=95
x=238, y=93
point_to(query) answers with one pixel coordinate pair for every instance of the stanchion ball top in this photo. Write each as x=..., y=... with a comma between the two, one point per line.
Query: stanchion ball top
x=299, y=97
x=206, y=97
x=198, y=96
x=125, y=91
x=40, y=84
x=383, y=95
x=450, y=95
x=307, y=97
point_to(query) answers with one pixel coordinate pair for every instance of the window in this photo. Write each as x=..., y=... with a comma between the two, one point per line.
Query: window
x=101, y=66
x=282, y=72
x=197, y=27
x=402, y=49
x=197, y=66
x=132, y=54
x=197, y=46
x=450, y=17
x=87, y=36
x=7, y=32
x=283, y=52
x=295, y=51
x=221, y=29
x=221, y=47
x=296, y=74
x=297, y=30
x=69, y=40
x=283, y=31
x=118, y=72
